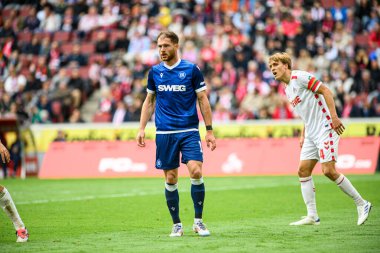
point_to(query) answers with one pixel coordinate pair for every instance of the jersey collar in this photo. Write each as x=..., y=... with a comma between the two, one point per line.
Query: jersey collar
x=173, y=66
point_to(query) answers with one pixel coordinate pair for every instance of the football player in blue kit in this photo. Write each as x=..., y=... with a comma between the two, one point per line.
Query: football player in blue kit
x=174, y=88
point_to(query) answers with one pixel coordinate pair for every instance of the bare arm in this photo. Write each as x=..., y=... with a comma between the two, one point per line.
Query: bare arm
x=5, y=157
x=337, y=124
x=204, y=106
x=146, y=113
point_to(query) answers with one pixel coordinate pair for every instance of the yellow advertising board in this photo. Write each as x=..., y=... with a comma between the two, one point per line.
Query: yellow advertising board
x=44, y=135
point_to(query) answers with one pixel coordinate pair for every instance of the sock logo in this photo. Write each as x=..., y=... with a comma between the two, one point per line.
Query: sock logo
x=172, y=208
x=200, y=203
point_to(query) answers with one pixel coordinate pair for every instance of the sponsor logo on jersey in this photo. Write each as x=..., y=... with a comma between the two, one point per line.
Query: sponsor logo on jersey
x=296, y=101
x=171, y=87
x=182, y=75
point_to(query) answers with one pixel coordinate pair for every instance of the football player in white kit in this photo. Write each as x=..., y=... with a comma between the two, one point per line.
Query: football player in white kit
x=314, y=103
x=8, y=205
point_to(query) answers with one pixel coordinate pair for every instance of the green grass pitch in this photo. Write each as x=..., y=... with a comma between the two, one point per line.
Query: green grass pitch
x=244, y=214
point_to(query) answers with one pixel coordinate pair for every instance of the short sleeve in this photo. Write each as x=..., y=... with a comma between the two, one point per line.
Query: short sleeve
x=309, y=81
x=198, y=80
x=151, y=87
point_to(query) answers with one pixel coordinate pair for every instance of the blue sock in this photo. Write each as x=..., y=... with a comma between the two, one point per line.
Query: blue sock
x=172, y=200
x=198, y=196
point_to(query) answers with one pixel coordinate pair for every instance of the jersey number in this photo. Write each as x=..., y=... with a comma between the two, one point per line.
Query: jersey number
x=321, y=154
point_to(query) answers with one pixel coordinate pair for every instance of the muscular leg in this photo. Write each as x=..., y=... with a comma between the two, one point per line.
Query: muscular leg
x=171, y=194
x=307, y=186
x=197, y=187
x=9, y=207
x=344, y=184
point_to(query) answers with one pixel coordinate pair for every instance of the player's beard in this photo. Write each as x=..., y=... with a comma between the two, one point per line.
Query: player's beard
x=167, y=57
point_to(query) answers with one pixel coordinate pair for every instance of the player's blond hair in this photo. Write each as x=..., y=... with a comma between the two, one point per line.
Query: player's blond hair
x=283, y=58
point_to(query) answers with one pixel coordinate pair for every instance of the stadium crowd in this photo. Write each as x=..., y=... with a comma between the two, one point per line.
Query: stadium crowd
x=55, y=54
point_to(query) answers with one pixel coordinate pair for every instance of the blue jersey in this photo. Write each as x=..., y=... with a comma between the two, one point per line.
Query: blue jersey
x=175, y=88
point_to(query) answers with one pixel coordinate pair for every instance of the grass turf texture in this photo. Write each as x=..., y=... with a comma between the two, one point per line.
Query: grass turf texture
x=244, y=214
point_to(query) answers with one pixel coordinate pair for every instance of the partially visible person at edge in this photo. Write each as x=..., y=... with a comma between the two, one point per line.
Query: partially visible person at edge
x=314, y=102
x=174, y=88
x=7, y=204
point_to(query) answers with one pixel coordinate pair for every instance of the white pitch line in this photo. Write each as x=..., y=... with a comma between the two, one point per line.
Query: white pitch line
x=142, y=193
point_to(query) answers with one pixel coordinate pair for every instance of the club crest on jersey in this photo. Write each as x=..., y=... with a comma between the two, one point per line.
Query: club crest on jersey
x=158, y=163
x=161, y=75
x=182, y=75
x=296, y=101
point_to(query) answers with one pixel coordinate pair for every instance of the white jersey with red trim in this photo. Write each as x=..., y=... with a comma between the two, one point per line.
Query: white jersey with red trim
x=310, y=106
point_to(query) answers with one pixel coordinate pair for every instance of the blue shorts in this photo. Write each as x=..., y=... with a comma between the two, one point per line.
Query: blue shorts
x=169, y=147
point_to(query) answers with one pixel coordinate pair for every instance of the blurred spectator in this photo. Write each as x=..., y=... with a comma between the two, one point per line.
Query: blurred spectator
x=339, y=12
x=138, y=43
x=228, y=40
x=5, y=103
x=61, y=136
x=89, y=21
x=32, y=47
x=6, y=30
x=76, y=117
x=75, y=58
x=15, y=152
x=77, y=87
x=60, y=77
x=50, y=22
x=102, y=44
x=108, y=19
x=40, y=69
x=45, y=47
x=14, y=82
x=69, y=20
x=282, y=110
x=374, y=36
x=54, y=56
x=31, y=22
x=120, y=113
x=366, y=84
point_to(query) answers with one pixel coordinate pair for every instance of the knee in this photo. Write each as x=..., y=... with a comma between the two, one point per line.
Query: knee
x=329, y=170
x=196, y=173
x=330, y=173
x=171, y=179
x=195, y=169
x=303, y=172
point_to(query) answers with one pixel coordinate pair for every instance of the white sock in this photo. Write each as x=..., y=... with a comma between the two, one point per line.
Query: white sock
x=9, y=207
x=346, y=186
x=196, y=220
x=308, y=194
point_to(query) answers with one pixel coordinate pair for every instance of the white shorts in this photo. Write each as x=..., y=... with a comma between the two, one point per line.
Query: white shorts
x=324, y=149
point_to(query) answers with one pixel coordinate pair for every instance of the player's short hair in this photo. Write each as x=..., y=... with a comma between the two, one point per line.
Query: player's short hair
x=283, y=58
x=170, y=35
